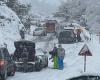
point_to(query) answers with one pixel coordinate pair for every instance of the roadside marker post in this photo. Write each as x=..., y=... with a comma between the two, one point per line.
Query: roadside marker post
x=99, y=36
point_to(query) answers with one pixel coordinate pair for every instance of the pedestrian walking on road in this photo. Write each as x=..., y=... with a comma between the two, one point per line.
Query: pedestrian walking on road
x=78, y=35
x=22, y=33
x=61, y=55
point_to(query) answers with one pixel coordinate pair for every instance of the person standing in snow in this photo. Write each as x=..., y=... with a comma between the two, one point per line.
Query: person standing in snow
x=22, y=34
x=61, y=55
x=54, y=56
x=78, y=35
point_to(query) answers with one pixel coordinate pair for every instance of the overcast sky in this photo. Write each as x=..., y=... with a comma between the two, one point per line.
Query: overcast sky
x=51, y=2
x=43, y=6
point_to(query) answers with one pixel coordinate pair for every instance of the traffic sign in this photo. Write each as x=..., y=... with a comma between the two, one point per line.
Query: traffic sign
x=85, y=51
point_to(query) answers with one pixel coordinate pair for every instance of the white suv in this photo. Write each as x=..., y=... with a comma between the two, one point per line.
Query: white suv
x=39, y=32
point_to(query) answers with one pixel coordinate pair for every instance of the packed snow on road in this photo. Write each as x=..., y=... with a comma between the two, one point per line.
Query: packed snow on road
x=73, y=63
x=17, y=15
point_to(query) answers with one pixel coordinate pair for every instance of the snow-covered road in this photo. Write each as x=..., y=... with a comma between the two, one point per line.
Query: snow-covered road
x=73, y=64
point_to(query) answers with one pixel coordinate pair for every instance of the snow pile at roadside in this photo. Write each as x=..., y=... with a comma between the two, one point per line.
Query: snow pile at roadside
x=9, y=25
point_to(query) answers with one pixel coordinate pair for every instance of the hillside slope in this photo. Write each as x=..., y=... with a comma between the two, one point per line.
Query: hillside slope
x=9, y=25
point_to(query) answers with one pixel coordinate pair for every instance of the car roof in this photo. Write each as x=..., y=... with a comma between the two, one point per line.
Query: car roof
x=24, y=41
x=69, y=28
x=39, y=28
x=84, y=75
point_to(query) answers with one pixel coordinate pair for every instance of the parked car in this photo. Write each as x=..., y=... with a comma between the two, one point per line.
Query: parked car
x=7, y=65
x=25, y=57
x=39, y=32
x=85, y=77
x=67, y=36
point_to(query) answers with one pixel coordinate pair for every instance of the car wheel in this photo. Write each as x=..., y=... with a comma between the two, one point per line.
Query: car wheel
x=38, y=66
x=4, y=76
x=46, y=63
x=45, y=34
x=12, y=73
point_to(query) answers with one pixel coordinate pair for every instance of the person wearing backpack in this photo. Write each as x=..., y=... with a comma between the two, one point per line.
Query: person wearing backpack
x=54, y=56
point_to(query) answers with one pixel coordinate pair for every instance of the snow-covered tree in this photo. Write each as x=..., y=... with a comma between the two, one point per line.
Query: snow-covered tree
x=72, y=9
x=21, y=10
x=11, y=3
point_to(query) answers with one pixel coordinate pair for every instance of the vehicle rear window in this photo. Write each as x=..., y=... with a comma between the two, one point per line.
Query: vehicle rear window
x=66, y=34
x=21, y=45
x=37, y=29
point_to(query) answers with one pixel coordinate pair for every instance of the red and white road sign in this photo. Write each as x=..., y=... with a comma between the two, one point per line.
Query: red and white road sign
x=85, y=51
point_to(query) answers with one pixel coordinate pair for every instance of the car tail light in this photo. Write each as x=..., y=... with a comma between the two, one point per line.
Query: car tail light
x=2, y=62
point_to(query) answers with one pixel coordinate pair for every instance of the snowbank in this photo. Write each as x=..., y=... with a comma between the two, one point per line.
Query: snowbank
x=9, y=27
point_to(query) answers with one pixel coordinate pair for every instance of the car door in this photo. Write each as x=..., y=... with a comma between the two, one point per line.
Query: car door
x=8, y=59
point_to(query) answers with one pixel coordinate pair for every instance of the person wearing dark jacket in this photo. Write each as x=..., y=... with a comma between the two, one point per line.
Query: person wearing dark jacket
x=55, y=57
x=22, y=34
x=53, y=53
x=78, y=35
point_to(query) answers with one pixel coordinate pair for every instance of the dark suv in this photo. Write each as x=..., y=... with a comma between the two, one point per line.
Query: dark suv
x=67, y=36
x=27, y=58
x=7, y=65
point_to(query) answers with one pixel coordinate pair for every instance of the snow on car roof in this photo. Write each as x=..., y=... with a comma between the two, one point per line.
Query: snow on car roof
x=69, y=28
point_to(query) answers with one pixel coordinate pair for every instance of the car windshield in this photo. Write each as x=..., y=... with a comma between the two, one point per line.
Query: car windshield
x=38, y=29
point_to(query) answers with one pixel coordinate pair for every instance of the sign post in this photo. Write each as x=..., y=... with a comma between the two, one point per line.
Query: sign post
x=85, y=52
x=84, y=63
x=99, y=36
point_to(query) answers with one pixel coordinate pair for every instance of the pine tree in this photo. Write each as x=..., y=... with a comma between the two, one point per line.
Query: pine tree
x=11, y=3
